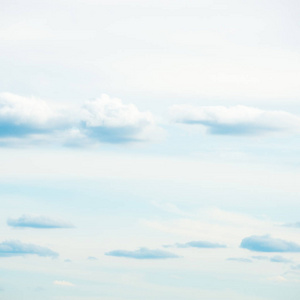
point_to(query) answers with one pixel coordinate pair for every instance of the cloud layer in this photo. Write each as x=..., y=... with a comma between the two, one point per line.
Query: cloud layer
x=17, y=248
x=37, y=222
x=268, y=244
x=101, y=120
x=143, y=253
x=236, y=120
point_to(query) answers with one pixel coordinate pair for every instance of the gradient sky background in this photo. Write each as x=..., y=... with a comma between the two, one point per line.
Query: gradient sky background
x=149, y=150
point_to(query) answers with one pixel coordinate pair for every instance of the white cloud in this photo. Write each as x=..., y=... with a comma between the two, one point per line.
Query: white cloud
x=236, y=120
x=109, y=119
x=63, y=283
x=27, y=120
x=26, y=111
x=111, y=112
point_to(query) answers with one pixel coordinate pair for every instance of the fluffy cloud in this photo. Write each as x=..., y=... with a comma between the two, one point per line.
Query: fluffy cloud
x=102, y=120
x=200, y=244
x=62, y=283
x=108, y=119
x=21, y=116
x=17, y=248
x=37, y=222
x=142, y=253
x=268, y=244
x=236, y=120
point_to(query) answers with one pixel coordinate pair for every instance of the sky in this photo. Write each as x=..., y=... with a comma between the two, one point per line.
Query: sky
x=149, y=150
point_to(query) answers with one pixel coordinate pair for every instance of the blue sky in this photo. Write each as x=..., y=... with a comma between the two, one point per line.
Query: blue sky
x=149, y=150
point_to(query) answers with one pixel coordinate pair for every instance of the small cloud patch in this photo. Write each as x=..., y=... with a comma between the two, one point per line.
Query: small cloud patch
x=280, y=259
x=17, y=248
x=240, y=259
x=268, y=244
x=38, y=222
x=92, y=258
x=200, y=244
x=63, y=283
x=143, y=253
x=295, y=225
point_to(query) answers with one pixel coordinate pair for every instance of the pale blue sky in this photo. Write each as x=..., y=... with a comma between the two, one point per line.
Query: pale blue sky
x=149, y=150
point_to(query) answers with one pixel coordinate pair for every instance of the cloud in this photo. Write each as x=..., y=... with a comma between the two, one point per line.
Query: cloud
x=236, y=120
x=260, y=257
x=37, y=222
x=17, y=248
x=280, y=259
x=92, y=258
x=295, y=225
x=296, y=267
x=23, y=116
x=27, y=120
x=240, y=259
x=268, y=244
x=63, y=283
x=109, y=120
x=200, y=244
x=278, y=279
x=143, y=253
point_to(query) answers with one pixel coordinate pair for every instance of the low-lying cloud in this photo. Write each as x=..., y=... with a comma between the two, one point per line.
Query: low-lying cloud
x=268, y=244
x=143, y=253
x=39, y=222
x=17, y=248
x=236, y=120
x=198, y=244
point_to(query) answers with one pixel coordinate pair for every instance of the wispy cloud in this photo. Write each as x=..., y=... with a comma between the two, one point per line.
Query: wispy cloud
x=143, y=253
x=63, y=283
x=240, y=259
x=258, y=257
x=268, y=244
x=198, y=244
x=17, y=248
x=92, y=258
x=280, y=259
x=295, y=225
x=236, y=120
x=39, y=222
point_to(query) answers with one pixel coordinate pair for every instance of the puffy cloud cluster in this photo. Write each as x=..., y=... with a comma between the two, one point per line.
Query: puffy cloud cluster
x=17, y=248
x=37, y=222
x=101, y=120
x=236, y=120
